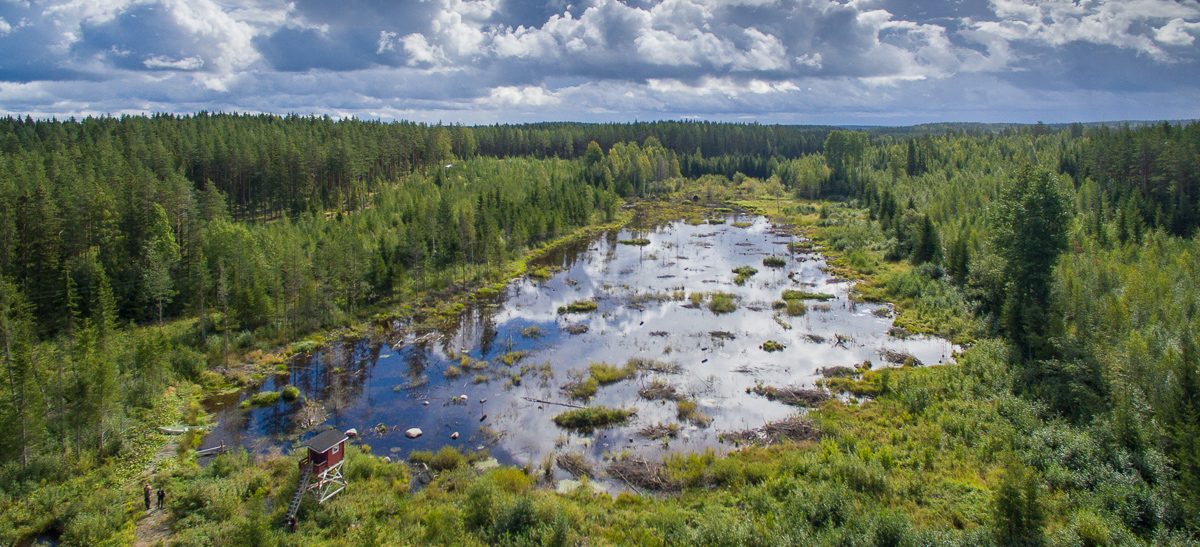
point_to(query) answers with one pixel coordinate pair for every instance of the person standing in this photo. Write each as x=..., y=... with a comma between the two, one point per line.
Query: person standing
x=146, y=494
x=162, y=495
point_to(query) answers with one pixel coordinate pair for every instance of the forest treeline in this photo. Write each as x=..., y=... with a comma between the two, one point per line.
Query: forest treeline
x=1075, y=245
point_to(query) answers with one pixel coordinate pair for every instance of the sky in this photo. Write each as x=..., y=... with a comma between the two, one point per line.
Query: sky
x=856, y=62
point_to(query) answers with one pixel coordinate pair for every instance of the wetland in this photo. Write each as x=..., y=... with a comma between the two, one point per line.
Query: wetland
x=690, y=340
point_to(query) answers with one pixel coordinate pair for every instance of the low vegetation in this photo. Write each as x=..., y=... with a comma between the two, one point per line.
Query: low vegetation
x=774, y=262
x=591, y=418
x=743, y=273
x=579, y=306
x=640, y=242
x=721, y=302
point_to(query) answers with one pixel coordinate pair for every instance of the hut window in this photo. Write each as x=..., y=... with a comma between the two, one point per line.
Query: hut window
x=335, y=448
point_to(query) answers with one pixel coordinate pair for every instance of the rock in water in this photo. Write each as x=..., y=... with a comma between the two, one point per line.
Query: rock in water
x=351, y=432
x=413, y=433
x=454, y=435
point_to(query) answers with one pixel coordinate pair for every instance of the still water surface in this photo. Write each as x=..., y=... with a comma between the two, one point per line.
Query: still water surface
x=385, y=381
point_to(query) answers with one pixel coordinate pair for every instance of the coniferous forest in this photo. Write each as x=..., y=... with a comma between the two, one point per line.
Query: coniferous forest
x=146, y=261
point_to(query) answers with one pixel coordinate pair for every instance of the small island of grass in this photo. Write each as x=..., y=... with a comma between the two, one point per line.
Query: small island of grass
x=592, y=418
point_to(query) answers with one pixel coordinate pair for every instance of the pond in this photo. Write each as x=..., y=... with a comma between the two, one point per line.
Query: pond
x=645, y=309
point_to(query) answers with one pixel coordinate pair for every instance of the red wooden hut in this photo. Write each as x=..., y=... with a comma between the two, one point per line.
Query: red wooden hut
x=321, y=469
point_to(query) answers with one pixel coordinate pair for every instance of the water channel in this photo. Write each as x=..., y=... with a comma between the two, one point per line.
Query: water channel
x=401, y=383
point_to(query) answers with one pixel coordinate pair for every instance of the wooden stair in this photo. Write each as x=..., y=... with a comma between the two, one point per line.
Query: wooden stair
x=305, y=478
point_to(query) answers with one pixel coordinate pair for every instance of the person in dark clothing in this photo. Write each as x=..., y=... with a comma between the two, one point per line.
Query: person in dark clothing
x=146, y=494
x=292, y=524
x=162, y=495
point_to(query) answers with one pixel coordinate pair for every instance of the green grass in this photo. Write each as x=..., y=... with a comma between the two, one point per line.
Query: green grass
x=687, y=411
x=722, y=303
x=579, y=306
x=771, y=346
x=592, y=418
x=743, y=273
x=774, y=262
x=290, y=393
x=264, y=398
x=641, y=241
x=581, y=390
x=805, y=295
x=607, y=374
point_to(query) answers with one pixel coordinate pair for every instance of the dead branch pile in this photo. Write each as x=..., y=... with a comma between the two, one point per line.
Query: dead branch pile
x=900, y=357
x=659, y=390
x=796, y=396
x=838, y=372
x=574, y=464
x=641, y=472
x=577, y=328
x=791, y=429
x=654, y=365
x=659, y=431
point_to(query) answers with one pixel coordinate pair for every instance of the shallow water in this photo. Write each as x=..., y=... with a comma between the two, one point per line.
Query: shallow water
x=365, y=384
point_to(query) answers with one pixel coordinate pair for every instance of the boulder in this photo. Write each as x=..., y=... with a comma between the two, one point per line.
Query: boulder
x=454, y=435
x=352, y=432
x=413, y=433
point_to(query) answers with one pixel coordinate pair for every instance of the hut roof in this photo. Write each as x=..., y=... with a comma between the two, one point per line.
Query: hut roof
x=325, y=441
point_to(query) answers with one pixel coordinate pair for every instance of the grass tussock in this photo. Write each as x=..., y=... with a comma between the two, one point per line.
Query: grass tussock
x=579, y=306
x=639, y=242
x=721, y=302
x=687, y=410
x=592, y=418
x=805, y=295
x=774, y=262
x=772, y=346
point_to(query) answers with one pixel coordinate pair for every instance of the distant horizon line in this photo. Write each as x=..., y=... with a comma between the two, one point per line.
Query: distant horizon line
x=682, y=119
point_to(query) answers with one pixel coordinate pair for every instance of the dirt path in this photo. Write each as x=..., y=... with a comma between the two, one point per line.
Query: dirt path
x=153, y=528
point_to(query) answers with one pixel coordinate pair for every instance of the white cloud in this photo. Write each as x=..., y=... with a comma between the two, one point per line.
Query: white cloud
x=385, y=42
x=1177, y=33
x=421, y=52
x=520, y=96
x=186, y=63
x=1107, y=22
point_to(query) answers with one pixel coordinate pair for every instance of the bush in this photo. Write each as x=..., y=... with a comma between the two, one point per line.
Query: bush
x=290, y=393
x=446, y=459
x=774, y=262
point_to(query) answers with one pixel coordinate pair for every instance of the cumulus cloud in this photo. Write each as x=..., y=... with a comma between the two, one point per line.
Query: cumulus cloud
x=476, y=60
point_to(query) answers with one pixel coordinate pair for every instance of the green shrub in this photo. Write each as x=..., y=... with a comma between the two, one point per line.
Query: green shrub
x=446, y=459
x=774, y=262
x=290, y=393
